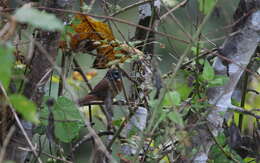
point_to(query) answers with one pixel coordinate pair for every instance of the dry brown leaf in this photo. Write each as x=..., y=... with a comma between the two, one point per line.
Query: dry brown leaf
x=92, y=34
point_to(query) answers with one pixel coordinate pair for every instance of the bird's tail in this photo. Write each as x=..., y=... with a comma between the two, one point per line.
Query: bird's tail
x=87, y=99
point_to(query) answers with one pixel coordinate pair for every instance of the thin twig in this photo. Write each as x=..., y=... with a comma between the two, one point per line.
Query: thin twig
x=118, y=20
x=88, y=138
x=128, y=76
x=62, y=75
x=173, y=9
x=180, y=25
x=114, y=103
x=20, y=125
x=117, y=134
x=79, y=69
x=228, y=155
x=47, y=154
x=242, y=67
x=184, y=65
x=243, y=111
x=130, y=7
x=26, y=135
x=6, y=142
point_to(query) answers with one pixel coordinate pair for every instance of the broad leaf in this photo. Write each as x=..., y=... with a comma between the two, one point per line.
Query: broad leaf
x=39, y=19
x=68, y=119
x=67, y=131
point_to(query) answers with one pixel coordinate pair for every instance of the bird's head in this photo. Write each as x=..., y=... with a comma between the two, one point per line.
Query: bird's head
x=113, y=74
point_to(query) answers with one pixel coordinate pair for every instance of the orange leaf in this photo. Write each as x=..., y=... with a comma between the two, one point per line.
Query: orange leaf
x=92, y=34
x=90, y=29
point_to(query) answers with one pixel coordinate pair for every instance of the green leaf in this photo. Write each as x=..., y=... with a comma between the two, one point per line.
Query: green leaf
x=218, y=81
x=133, y=131
x=176, y=117
x=39, y=19
x=25, y=107
x=163, y=115
x=117, y=122
x=183, y=89
x=68, y=119
x=249, y=159
x=201, y=61
x=206, y=5
x=119, y=55
x=118, y=48
x=153, y=102
x=194, y=50
x=172, y=98
x=66, y=131
x=134, y=43
x=221, y=139
x=6, y=62
x=208, y=72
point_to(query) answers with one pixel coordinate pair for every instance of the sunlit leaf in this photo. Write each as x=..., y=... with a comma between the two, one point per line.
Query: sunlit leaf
x=172, y=98
x=39, y=19
x=25, y=107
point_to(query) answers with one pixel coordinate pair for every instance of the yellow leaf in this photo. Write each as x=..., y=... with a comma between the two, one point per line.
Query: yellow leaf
x=55, y=79
x=89, y=75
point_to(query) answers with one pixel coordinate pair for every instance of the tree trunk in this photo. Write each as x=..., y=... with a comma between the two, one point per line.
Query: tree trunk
x=238, y=48
x=44, y=55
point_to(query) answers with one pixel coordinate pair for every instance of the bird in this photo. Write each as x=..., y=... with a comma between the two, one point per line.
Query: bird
x=108, y=88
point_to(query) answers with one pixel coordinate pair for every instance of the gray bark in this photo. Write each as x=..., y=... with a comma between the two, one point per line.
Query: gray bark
x=239, y=47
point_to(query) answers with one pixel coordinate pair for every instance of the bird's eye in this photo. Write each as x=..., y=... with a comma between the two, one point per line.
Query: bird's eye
x=116, y=75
